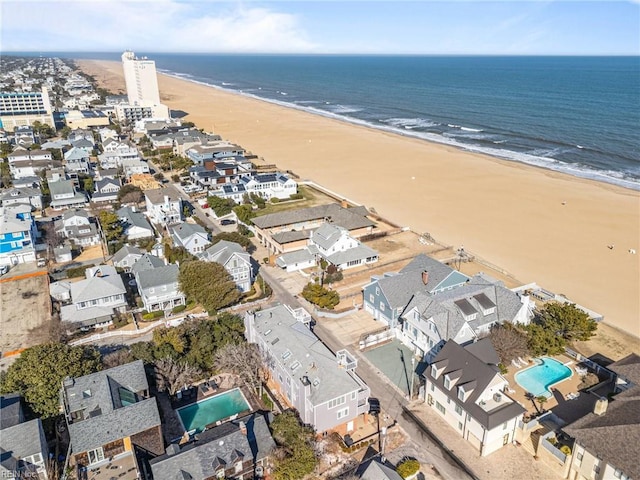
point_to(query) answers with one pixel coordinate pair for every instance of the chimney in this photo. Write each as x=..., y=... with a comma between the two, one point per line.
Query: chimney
x=601, y=406
x=172, y=449
x=166, y=199
x=344, y=204
x=425, y=277
x=243, y=428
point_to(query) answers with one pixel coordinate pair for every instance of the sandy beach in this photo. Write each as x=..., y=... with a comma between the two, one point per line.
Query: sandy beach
x=539, y=225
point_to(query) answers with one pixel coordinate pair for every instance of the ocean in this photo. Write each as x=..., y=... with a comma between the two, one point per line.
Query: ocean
x=578, y=115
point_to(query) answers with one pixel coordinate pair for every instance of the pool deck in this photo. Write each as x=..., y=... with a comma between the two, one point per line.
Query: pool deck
x=558, y=401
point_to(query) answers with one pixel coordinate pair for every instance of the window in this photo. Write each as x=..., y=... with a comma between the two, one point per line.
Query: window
x=440, y=408
x=336, y=402
x=505, y=425
x=372, y=299
x=458, y=409
x=434, y=371
x=353, y=395
x=461, y=394
x=447, y=383
x=343, y=413
x=381, y=307
x=96, y=455
x=459, y=425
x=433, y=386
x=596, y=468
x=617, y=473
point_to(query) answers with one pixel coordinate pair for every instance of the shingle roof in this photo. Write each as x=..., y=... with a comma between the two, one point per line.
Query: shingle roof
x=125, y=252
x=20, y=441
x=289, y=237
x=10, y=410
x=165, y=275
x=222, y=445
x=628, y=367
x=470, y=368
x=97, y=287
x=376, y=470
x=61, y=187
x=327, y=234
x=615, y=435
x=356, y=253
x=348, y=218
x=74, y=212
x=135, y=219
x=106, y=418
x=156, y=196
x=147, y=262
x=222, y=251
x=185, y=230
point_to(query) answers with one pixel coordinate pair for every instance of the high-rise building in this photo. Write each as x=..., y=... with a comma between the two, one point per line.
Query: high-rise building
x=142, y=90
x=19, y=109
x=140, y=77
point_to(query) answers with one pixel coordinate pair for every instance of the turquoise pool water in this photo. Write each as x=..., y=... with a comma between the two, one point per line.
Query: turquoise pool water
x=205, y=412
x=539, y=378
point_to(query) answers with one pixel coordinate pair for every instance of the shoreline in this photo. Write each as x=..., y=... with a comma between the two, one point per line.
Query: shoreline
x=590, y=175
x=493, y=206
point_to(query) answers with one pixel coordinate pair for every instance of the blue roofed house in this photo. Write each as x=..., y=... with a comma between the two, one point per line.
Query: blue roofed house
x=17, y=234
x=386, y=296
x=191, y=236
x=23, y=446
x=322, y=386
x=110, y=415
x=235, y=260
x=239, y=449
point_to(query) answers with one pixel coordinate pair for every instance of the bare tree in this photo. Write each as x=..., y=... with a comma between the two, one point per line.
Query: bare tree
x=172, y=375
x=117, y=358
x=52, y=239
x=247, y=361
x=509, y=342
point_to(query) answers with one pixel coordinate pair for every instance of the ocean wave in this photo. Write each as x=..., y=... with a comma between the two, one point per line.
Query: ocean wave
x=469, y=129
x=227, y=84
x=342, y=109
x=410, y=123
x=538, y=157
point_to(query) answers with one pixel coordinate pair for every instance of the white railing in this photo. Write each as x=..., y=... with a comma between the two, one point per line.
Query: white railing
x=117, y=333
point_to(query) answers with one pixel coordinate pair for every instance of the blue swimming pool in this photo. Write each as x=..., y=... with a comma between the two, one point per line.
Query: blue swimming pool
x=205, y=412
x=539, y=378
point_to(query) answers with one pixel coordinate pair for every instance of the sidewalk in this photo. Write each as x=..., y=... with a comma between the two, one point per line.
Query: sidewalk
x=510, y=462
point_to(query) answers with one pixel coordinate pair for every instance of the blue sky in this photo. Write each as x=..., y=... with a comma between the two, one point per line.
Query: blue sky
x=565, y=27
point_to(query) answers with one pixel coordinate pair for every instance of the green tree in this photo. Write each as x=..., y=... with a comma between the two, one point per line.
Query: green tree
x=244, y=213
x=5, y=173
x=111, y=225
x=408, y=467
x=297, y=458
x=5, y=149
x=567, y=321
x=320, y=296
x=542, y=341
x=88, y=184
x=65, y=131
x=221, y=206
x=209, y=284
x=38, y=373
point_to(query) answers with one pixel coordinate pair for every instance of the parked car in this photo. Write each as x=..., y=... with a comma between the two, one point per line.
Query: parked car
x=374, y=405
x=227, y=221
x=4, y=269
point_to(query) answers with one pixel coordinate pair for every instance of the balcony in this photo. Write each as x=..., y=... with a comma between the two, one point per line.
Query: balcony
x=346, y=360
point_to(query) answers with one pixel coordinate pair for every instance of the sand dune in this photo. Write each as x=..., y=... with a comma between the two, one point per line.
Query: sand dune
x=539, y=225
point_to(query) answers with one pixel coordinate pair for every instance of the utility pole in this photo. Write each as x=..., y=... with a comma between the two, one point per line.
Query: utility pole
x=413, y=367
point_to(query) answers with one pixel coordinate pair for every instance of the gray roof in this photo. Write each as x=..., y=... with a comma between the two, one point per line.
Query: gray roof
x=156, y=195
x=298, y=256
x=80, y=231
x=86, y=317
x=348, y=218
x=449, y=308
x=19, y=441
x=165, y=275
x=326, y=235
x=61, y=187
x=355, y=253
x=225, y=443
x=147, y=262
x=22, y=192
x=628, y=368
x=292, y=236
x=75, y=212
x=376, y=470
x=316, y=360
x=76, y=154
x=97, y=287
x=132, y=218
x=185, y=230
x=10, y=410
x=100, y=184
x=106, y=418
x=222, y=251
x=125, y=252
x=468, y=368
x=615, y=435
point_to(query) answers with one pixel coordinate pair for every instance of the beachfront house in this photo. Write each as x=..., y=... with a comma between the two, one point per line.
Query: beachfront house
x=386, y=296
x=191, y=236
x=24, y=446
x=235, y=260
x=95, y=300
x=462, y=314
x=18, y=234
x=332, y=244
x=290, y=230
x=162, y=208
x=464, y=386
x=322, y=386
x=238, y=449
x=604, y=438
x=270, y=185
x=110, y=417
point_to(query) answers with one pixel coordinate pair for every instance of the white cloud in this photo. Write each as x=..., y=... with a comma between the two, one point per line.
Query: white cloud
x=165, y=25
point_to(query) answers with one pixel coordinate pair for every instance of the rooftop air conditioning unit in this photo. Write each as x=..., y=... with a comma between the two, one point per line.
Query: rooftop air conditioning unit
x=497, y=397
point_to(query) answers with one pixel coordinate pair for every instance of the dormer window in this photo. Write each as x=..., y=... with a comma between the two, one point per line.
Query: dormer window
x=434, y=371
x=447, y=382
x=460, y=394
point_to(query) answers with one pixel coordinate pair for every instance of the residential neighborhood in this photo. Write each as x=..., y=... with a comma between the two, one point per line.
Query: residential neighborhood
x=175, y=307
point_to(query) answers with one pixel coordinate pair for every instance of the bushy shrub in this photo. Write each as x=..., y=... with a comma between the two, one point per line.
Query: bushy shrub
x=274, y=200
x=153, y=315
x=407, y=468
x=267, y=401
x=296, y=196
x=77, y=271
x=179, y=308
x=566, y=450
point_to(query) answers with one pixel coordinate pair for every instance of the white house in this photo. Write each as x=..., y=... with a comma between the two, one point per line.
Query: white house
x=190, y=236
x=163, y=209
x=106, y=190
x=29, y=195
x=126, y=257
x=96, y=299
x=133, y=166
x=235, y=260
x=77, y=161
x=465, y=387
x=158, y=286
x=269, y=185
x=136, y=225
x=65, y=195
x=76, y=225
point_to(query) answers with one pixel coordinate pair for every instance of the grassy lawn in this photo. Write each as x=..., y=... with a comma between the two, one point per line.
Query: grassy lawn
x=312, y=198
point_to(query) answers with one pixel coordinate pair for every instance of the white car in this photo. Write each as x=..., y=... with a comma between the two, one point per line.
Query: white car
x=4, y=269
